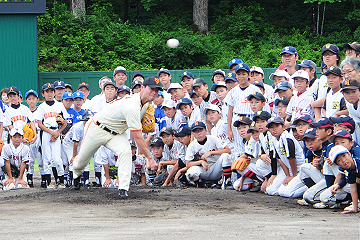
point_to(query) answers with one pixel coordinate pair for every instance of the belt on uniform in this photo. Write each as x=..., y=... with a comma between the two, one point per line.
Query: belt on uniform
x=242, y=115
x=53, y=128
x=106, y=128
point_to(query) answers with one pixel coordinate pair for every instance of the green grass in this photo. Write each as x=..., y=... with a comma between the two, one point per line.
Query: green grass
x=36, y=165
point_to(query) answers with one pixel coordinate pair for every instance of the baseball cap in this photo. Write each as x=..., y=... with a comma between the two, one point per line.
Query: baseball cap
x=322, y=123
x=242, y=66
x=230, y=76
x=252, y=128
x=152, y=82
x=160, y=93
x=158, y=142
x=344, y=120
x=310, y=133
x=68, y=86
x=218, y=71
x=169, y=104
x=289, y=49
x=355, y=46
x=136, y=83
x=67, y=95
x=284, y=101
x=109, y=83
x=87, y=114
x=301, y=74
x=235, y=61
x=13, y=90
x=307, y=64
x=261, y=114
x=78, y=95
x=259, y=84
x=277, y=120
x=31, y=91
x=197, y=125
x=279, y=73
x=218, y=84
x=183, y=101
x=256, y=95
x=323, y=65
x=120, y=69
x=198, y=82
x=336, y=151
x=334, y=70
x=212, y=107
x=350, y=84
x=133, y=144
x=341, y=133
x=14, y=131
x=242, y=121
x=59, y=84
x=192, y=93
x=83, y=84
x=303, y=117
x=137, y=73
x=183, y=131
x=47, y=86
x=187, y=74
x=256, y=69
x=330, y=47
x=283, y=85
x=123, y=88
x=174, y=86
x=167, y=130
x=163, y=70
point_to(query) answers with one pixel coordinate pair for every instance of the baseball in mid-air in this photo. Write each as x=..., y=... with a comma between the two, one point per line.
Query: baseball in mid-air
x=172, y=43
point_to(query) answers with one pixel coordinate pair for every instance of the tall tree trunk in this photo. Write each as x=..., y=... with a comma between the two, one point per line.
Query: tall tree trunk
x=314, y=18
x=318, y=19
x=200, y=15
x=77, y=7
x=323, y=19
x=126, y=10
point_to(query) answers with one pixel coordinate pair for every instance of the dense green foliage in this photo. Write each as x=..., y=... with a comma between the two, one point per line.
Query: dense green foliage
x=255, y=31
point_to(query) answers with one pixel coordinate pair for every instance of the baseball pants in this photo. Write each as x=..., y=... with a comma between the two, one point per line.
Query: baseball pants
x=341, y=194
x=294, y=189
x=307, y=170
x=51, y=154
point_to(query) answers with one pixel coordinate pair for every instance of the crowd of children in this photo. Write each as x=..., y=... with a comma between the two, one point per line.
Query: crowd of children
x=297, y=138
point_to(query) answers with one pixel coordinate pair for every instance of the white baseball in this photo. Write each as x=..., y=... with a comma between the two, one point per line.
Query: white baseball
x=172, y=43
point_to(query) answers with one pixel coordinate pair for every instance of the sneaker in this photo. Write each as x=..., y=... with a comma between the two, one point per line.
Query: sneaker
x=123, y=193
x=30, y=183
x=227, y=184
x=43, y=184
x=302, y=202
x=61, y=185
x=335, y=206
x=320, y=205
x=52, y=185
x=77, y=184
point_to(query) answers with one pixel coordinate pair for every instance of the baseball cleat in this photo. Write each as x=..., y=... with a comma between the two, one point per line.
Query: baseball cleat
x=320, y=205
x=52, y=185
x=30, y=183
x=61, y=185
x=227, y=184
x=123, y=193
x=302, y=202
x=43, y=184
x=351, y=207
x=77, y=184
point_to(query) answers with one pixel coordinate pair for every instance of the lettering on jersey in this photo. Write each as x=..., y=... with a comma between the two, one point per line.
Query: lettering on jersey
x=216, y=102
x=336, y=105
x=346, y=173
x=138, y=168
x=19, y=118
x=15, y=157
x=282, y=150
x=245, y=100
x=50, y=114
x=222, y=136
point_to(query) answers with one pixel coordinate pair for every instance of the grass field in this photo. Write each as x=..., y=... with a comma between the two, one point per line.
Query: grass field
x=36, y=165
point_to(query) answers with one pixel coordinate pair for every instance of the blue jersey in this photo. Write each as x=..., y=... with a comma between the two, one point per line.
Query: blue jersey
x=326, y=147
x=74, y=116
x=160, y=117
x=81, y=113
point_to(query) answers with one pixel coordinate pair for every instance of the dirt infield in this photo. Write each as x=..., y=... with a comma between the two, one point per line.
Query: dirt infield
x=166, y=213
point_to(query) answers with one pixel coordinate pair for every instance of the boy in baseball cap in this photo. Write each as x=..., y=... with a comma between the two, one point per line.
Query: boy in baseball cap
x=310, y=67
x=164, y=76
x=344, y=122
x=138, y=76
x=284, y=89
x=280, y=106
x=279, y=75
x=120, y=76
x=190, y=113
x=218, y=75
x=136, y=86
x=122, y=91
x=174, y=119
x=186, y=80
x=157, y=148
x=233, y=62
x=352, y=50
x=231, y=81
x=177, y=91
x=330, y=55
x=302, y=123
x=59, y=87
x=78, y=102
x=258, y=102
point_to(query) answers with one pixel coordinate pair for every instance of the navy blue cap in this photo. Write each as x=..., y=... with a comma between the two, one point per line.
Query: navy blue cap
x=192, y=93
x=137, y=73
x=256, y=95
x=158, y=142
x=284, y=101
x=330, y=47
x=135, y=83
x=167, y=130
x=13, y=90
x=183, y=131
x=261, y=114
x=87, y=114
x=197, y=125
x=242, y=121
x=283, y=85
x=341, y=133
x=334, y=70
x=123, y=88
x=230, y=76
x=218, y=84
x=322, y=123
x=47, y=86
x=68, y=86
x=163, y=70
x=303, y=117
x=344, y=120
x=109, y=83
x=59, y=84
x=307, y=64
x=289, y=49
x=67, y=95
x=199, y=82
x=323, y=65
x=78, y=95
x=187, y=74
x=235, y=61
x=183, y=101
x=310, y=133
x=242, y=66
x=259, y=84
x=31, y=91
x=278, y=120
x=152, y=82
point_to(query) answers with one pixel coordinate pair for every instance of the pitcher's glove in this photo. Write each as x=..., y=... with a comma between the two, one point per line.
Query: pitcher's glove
x=240, y=164
x=149, y=114
x=28, y=132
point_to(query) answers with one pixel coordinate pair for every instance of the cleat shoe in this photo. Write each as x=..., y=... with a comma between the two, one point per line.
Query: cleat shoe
x=256, y=188
x=335, y=206
x=302, y=202
x=61, y=186
x=227, y=184
x=30, y=183
x=320, y=205
x=123, y=193
x=77, y=184
x=52, y=185
x=43, y=184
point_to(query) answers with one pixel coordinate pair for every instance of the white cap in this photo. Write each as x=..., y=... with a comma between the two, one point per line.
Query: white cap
x=174, y=86
x=336, y=151
x=15, y=131
x=256, y=69
x=279, y=73
x=169, y=104
x=212, y=107
x=301, y=74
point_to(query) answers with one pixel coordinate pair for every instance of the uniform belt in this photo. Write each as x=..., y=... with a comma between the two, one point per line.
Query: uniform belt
x=106, y=128
x=53, y=128
x=242, y=115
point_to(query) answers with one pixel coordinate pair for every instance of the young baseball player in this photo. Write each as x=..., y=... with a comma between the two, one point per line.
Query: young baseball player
x=138, y=76
x=197, y=100
x=347, y=123
x=302, y=123
x=85, y=89
x=110, y=91
x=165, y=79
x=214, y=158
x=231, y=81
x=177, y=92
x=68, y=88
x=258, y=102
x=184, y=136
x=279, y=75
x=136, y=86
x=138, y=168
x=187, y=79
x=289, y=57
x=47, y=117
x=218, y=75
x=257, y=78
x=108, y=162
x=59, y=90
x=78, y=102
x=123, y=91
x=190, y=113
x=160, y=120
x=233, y=62
x=221, y=92
x=281, y=105
x=351, y=91
x=157, y=148
x=174, y=119
x=16, y=155
x=120, y=76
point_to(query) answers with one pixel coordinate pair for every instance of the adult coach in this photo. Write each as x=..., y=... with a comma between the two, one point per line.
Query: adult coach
x=108, y=128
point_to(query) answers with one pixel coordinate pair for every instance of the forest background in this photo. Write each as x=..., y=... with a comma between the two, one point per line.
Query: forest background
x=98, y=35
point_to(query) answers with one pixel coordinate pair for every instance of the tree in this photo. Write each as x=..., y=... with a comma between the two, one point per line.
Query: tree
x=77, y=8
x=200, y=16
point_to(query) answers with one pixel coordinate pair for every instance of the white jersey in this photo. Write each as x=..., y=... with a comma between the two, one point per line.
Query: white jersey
x=252, y=148
x=177, y=122
x=174, y=153
x=16, y=155
x=195, y=116
x=314, y=89
x=105, y=156
x=123, y=114
x=354, y=113
x=269, y=93
x=48, y=114
x=211, y=99
x=333, y=103
x=19, y=117
x=212, y=143
x=138, y=168
x=2, y=118
x=225, y=110
x=100, y=104
x=221, y=132
x=76, y=133
x=300, y=105
x=237, y=98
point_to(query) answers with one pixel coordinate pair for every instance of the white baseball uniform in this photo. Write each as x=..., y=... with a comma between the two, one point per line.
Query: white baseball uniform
x=300, y=104
x=221, y=132
x=16, y=156
x=211, y=99
x=333, y=103
x=17, y=117
x=138, y=168
x=177, y=122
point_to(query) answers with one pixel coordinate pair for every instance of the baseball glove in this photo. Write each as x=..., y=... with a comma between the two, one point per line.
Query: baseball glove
x=60, y=119
x=15, y=172
x=197, y=157
x=28, y=132
x=150, y=112
x=160, y=178
x=240, y=164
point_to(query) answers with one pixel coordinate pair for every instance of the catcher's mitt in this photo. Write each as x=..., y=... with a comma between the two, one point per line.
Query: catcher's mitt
x=150, y=112
x=15, y=172
x=240, y=164
x=1, y=145
x=60, y=119
x=28, y=132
